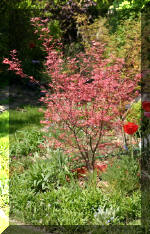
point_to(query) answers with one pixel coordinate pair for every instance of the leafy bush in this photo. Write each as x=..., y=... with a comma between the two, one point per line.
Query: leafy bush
x=134, y=4
x=123, y=178
x=120, y=38
x=78, y=90
x=123, y=175
x=134, y=113
x=26, y=142
x=48, y=174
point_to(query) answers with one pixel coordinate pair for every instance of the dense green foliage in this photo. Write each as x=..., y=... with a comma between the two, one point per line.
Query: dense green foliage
x=42, y=189
x=134, y=113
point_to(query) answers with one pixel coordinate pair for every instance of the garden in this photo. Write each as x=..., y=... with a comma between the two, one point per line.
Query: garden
x=75, y=141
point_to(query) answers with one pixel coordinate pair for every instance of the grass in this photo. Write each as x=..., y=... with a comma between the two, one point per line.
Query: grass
x=4, y=172
x=42, y=189
x=4, y=124
x=26, y=118
x=25, y=131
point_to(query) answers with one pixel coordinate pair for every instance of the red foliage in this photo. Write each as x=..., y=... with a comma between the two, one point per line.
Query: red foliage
x=81, y=172
x=101, y=167
x=83, y=111
x=130, y=128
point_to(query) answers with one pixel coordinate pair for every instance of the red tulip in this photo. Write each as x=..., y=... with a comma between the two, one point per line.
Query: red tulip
x=130, y=128
x=146, y=106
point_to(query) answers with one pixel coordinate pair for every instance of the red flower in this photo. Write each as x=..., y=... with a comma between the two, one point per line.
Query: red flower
x=32, y=45
x=146, y=106
x=130, y=128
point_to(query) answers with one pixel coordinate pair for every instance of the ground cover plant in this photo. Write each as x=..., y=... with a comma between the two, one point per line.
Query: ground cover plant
x=76, y=166
x=41, y=190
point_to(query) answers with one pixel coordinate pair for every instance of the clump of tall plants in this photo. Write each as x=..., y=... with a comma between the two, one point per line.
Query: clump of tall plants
x=87, y=99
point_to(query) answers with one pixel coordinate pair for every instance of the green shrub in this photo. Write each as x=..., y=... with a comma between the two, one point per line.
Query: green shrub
x=26, y=142
x=119, y=38
x=129, y=207
x=123, y=179
x=134, y=113
x=122, y=175
x=134, y=4
x=47, y=174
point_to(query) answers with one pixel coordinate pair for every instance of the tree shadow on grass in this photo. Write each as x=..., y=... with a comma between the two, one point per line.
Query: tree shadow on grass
x=24, y=118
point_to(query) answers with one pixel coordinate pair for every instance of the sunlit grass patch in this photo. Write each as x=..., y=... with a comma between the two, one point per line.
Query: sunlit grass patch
x=4, y=124
x=4, y=171
x=4, y=222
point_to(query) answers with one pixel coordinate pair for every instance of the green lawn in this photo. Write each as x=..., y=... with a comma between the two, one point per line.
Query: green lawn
x=4, y=124
x=24, y=119
x=4, y=172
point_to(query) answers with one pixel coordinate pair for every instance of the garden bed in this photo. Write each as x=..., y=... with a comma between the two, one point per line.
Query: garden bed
x=76, y=161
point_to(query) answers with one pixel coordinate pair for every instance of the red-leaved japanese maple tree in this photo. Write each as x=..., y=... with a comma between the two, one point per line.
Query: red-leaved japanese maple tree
x=89, y=97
